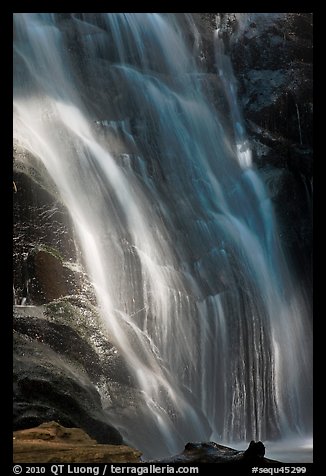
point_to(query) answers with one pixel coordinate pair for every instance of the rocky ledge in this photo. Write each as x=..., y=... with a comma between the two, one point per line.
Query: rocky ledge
x=53, y=443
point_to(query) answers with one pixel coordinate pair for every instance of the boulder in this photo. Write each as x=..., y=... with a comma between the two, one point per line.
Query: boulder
x=63, y=357
x=53, y=443
x=211, y=452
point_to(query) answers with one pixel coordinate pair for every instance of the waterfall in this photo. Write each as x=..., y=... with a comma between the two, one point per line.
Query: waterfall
x=176, y=227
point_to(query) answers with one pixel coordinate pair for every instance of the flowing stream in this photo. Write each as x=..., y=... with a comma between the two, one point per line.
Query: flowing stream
x=176, y=227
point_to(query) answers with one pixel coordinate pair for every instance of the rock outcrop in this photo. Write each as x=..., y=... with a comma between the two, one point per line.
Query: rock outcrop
x=211, y=452
x=42, y=236
x=62, y=354
x=53, y=443
x=272, y=58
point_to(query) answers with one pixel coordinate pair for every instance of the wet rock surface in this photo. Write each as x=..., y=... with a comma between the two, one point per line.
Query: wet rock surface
x=63, y=357
x=49, y=387
x=211, y=452
x=62, y=352
x=42, y=235
x=271, y=54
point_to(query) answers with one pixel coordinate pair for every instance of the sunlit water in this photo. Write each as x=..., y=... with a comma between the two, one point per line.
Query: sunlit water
x=176, y=228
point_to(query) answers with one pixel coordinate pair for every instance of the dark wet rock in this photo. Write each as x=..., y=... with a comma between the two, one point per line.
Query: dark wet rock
x=254, y=450
x=271, y=54
x=42, y=238
x=61, y=338
x=214, y=453
x=48, y=387
x=54, y=443
x=65, y=366
x=73, y=328
x=48, y=281
x=47, y=264
x=62, y=357
x=61, y=351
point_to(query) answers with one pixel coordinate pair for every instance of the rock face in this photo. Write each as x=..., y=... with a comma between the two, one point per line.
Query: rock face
x=49, y=281
x=42, y=236
x=271, y=54
x=53, y=443
x=62, y=354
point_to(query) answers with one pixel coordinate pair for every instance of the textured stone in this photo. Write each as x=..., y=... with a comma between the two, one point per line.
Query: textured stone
x=271, y=54
x=53, y=443
x=211, y=452
x=61, y=356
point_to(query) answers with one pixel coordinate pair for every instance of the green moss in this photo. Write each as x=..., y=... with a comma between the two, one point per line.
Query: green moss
x=50, y=250
x=83, y=318
x=74, y=309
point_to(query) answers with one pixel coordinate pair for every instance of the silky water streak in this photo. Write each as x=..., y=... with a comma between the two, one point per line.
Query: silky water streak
x=176, y=228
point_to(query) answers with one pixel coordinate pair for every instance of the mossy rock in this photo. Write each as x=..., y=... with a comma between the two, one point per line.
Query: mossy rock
x=48, y=250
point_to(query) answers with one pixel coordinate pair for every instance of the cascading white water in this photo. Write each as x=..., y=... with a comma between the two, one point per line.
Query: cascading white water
x=176, y=228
